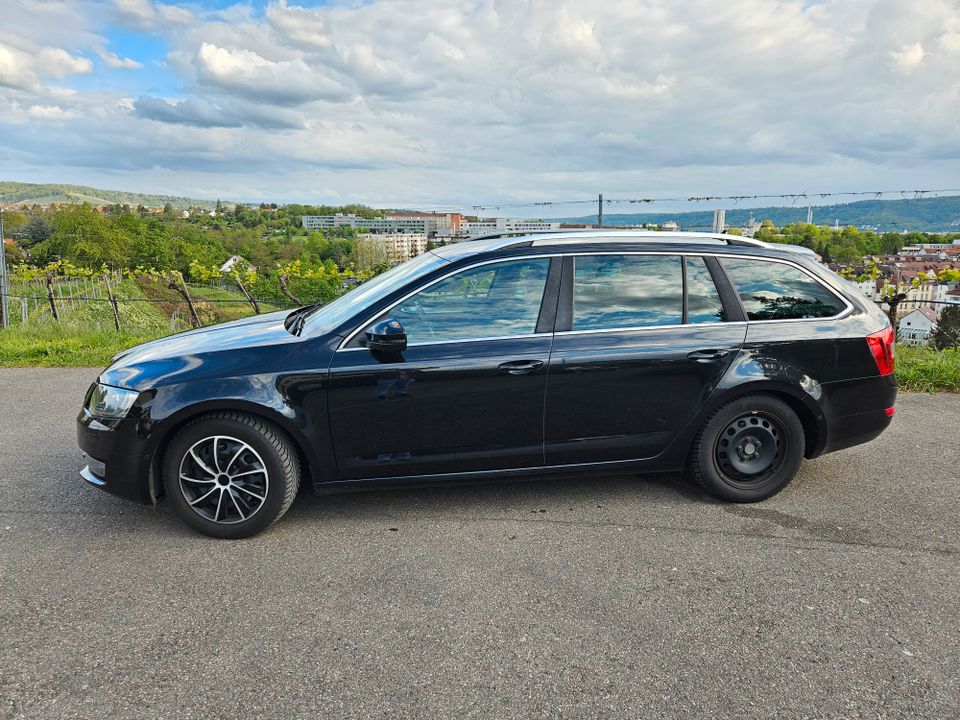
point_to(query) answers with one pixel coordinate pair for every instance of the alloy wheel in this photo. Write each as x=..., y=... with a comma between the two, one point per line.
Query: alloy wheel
x=223, y=479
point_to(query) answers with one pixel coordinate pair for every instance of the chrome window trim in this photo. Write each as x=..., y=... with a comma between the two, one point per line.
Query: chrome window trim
x=462, y=340
x=433, y=282
x=848, y=307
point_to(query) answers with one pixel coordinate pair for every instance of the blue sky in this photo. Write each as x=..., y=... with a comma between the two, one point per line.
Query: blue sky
x=437, y=103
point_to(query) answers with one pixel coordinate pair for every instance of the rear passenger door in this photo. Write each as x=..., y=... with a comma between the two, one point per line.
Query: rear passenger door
x=642, y=340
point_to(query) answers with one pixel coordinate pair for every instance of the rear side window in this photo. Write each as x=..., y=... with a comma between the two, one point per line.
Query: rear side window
x=776, y=291
x=622, y=291
x=703, y=300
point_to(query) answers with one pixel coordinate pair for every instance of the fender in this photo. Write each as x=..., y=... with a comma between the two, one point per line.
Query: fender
x=749, y=373
x=175, y=405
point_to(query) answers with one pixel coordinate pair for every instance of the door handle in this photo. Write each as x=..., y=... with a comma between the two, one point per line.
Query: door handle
x=708, y=355
x=520, y=367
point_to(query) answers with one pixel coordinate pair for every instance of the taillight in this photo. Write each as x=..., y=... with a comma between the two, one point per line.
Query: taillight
x=881, y=345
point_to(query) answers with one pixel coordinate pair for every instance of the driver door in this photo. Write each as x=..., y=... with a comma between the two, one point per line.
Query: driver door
x=467, y=394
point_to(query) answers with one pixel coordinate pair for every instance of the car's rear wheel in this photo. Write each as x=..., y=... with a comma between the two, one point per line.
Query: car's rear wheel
x=748, y=450
x=230, y=475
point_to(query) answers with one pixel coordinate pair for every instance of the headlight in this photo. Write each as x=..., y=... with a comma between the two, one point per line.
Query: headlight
x=110, y=402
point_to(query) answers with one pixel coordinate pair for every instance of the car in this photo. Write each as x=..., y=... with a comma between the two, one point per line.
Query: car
x=501, y=358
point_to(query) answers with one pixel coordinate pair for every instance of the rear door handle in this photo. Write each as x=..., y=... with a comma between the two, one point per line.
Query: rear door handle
x=520, y=367
x=708, y=355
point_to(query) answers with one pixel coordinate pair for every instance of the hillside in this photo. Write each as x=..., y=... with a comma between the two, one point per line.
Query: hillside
x=941, y=214
x=17, y=192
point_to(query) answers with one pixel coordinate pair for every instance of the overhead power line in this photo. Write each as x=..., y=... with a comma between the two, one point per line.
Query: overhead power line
x=792, y=197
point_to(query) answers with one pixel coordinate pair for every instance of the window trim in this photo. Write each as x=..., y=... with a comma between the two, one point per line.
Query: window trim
x=548, y=287
x=567, y=291
x=565, y=296
x=847, y=306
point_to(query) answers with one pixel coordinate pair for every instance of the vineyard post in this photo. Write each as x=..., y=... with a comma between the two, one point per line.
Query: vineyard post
x=50, y=297
x=4, y=280
x=247, y=295
x=113, y=302
x=286, y=290
x=182, y=289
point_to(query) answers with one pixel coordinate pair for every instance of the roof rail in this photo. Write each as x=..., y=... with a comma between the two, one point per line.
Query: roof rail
x=652, y=235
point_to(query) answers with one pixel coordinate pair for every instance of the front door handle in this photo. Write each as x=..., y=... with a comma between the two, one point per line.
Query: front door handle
x=520, y=367
x=708, y=355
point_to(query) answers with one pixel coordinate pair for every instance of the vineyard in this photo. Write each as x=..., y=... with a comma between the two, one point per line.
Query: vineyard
x=67, y=315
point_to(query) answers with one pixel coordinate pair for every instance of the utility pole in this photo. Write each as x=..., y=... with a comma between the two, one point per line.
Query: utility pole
x=600, y=210
x=4, y=281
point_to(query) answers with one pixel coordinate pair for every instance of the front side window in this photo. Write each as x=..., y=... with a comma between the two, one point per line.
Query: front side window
x=496, y=300
x=623, y=291
x=776, y=291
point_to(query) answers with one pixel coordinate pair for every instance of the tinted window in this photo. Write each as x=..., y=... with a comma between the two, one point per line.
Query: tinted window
x=703, y=301
x=620, y=291
x=774, y=291
x=493, y=300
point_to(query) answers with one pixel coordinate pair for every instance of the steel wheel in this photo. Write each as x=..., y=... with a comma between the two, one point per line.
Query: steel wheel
x=750, y=448
x=223, y=479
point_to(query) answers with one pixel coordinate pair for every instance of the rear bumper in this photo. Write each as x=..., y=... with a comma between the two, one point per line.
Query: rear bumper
x=115, y=458
x=857, y=411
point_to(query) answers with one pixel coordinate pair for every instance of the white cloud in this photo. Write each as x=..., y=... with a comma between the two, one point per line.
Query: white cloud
x=908, y=56
x=113, y=60
x=49, y=112
x=21, y=69
x=150, y=15
x=247, y=74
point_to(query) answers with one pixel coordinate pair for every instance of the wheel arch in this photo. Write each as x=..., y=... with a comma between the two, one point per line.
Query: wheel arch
x=308, y=456
x=803, y=403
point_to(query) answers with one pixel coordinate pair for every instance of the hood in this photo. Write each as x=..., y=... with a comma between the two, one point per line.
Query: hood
x=159, y=360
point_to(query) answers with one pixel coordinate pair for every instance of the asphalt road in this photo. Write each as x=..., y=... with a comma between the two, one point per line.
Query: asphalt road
x=839, y=598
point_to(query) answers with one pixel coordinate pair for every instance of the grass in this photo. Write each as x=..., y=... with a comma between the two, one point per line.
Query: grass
x=923, y=369
x=47, y=345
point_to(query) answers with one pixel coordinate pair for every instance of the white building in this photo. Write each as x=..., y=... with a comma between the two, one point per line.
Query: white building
x=396, y=247
x=401, y=225
x=915, y=327
x=505, y=225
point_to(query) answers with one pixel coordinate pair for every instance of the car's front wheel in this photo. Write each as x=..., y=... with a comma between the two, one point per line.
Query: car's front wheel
x=230, y=475
x=748, y=450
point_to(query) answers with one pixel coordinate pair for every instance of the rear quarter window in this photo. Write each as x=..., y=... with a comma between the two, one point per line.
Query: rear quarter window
x=777, y=291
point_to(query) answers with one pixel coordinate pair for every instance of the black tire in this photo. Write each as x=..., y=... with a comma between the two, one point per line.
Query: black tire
x=748, y=450
x=254, y=498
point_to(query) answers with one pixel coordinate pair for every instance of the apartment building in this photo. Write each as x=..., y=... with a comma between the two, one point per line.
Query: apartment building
x=392, y=225
x=472, y=228
x=436, y=223
x=394, y=247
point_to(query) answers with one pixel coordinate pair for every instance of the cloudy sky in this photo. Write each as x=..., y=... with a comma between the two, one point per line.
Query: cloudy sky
x=437, y=103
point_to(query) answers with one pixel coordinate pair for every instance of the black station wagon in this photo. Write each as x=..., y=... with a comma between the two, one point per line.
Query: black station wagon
x=501, y=358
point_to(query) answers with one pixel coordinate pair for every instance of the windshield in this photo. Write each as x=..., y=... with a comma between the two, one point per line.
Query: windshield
x=330, y=316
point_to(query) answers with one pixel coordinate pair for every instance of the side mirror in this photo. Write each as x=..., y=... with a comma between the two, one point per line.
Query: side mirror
x=386, y=336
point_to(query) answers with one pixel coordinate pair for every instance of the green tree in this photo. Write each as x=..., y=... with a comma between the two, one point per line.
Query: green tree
x=947, y=332
x=86, y=237
x=37, y=229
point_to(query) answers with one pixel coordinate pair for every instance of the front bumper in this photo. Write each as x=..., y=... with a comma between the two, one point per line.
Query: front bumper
x=117, y=460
